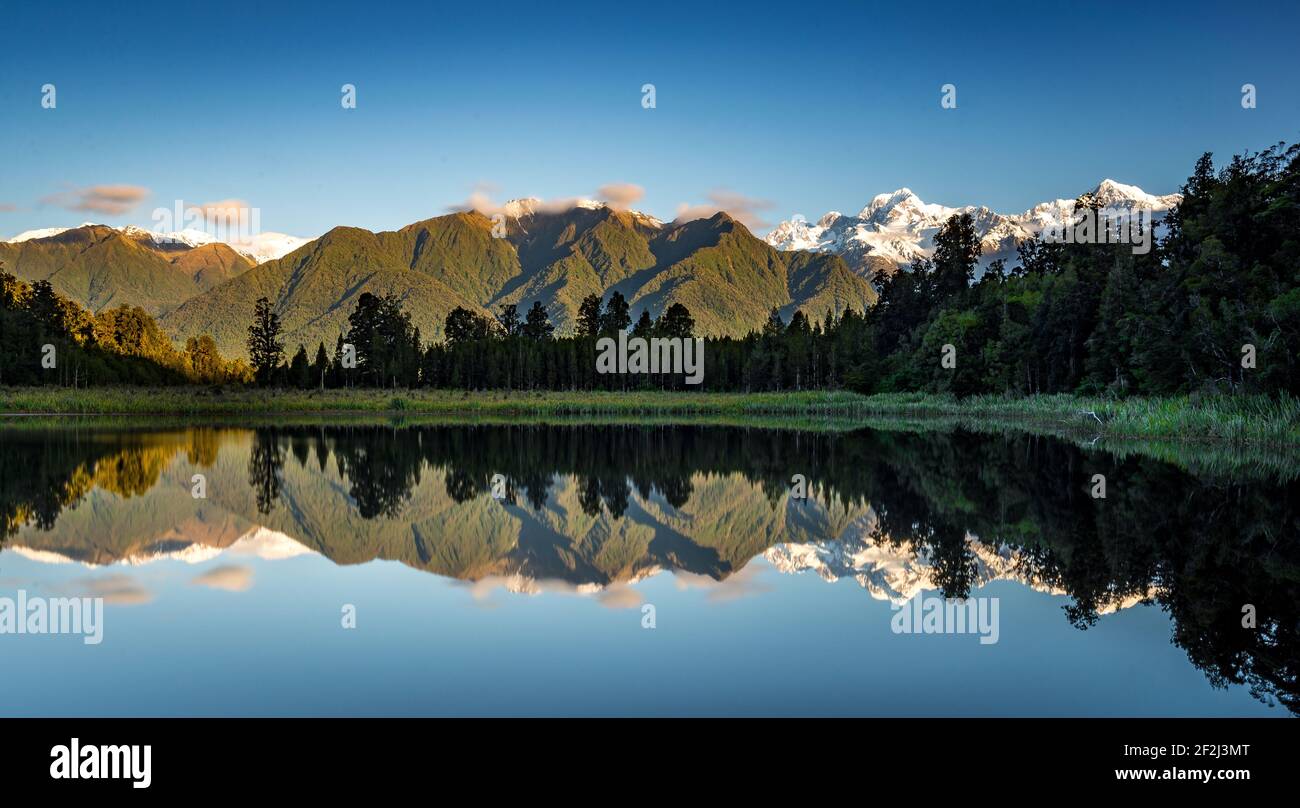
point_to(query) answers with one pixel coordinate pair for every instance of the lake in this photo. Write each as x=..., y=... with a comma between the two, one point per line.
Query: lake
x=359, y=568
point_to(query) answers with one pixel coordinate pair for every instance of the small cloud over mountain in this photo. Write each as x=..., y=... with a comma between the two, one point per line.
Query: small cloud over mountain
x=744, y=209
x=110, y=200
x=620, y=195
x=616, y=195
x=224, y=209
x=480, y=199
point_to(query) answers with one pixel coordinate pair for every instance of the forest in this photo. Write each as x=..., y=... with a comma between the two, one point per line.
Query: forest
x=46, y=339
x=1214, y=307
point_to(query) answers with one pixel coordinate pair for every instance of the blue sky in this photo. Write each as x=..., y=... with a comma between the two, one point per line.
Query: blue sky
x=808, y=107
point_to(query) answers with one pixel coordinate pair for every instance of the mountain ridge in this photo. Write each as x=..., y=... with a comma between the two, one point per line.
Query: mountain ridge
x=896, y=228
x=728, y=277
x=523, y=252
x=101, y=267
x=258, y=248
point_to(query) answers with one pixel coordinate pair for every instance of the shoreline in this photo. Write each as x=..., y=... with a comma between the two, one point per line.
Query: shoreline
x=1243, y=420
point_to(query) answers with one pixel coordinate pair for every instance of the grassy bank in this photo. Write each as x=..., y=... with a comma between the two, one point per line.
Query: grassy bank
x=1238, y=420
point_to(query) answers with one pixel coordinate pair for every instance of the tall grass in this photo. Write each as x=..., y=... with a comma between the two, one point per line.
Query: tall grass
x=1237, y=420
x=1233, y=419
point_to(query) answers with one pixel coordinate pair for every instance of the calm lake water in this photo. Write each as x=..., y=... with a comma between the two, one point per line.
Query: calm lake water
x=360, y=569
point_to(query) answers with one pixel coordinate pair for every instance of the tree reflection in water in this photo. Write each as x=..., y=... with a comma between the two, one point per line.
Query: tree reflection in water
x=1202, y=544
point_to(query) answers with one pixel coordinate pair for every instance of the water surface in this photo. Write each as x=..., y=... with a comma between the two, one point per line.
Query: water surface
x=513, y=570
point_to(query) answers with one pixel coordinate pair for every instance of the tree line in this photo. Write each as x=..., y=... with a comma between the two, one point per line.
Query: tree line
x=1213, y=306
x=45, y=338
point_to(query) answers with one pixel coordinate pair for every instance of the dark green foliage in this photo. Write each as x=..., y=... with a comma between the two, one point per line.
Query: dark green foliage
x=676, y=321
x=264, y=346
x=320, y=367
x=1100, y=318
x=387, y=345
x=616, y=317
x=589, y=317
x=538, y=325
x=464, y=325
x=45, y=338
x=509, y=320
x=1222, y=285
x=1068, y=317
x=645, y=325
x=300, y=369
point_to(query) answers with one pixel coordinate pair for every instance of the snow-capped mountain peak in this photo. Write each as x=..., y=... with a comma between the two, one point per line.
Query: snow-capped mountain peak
x=829, y=218
x=44, y=232
x=1109, y=191
x=1109, y=194
x=258, y=248
x=897, y=228
x=188, y=237
x=519, y=208
x=264, y=247
x=886, y=206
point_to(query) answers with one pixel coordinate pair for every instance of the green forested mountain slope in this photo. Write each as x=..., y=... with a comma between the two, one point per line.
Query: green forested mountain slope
x=100, y=267
x=729, y=279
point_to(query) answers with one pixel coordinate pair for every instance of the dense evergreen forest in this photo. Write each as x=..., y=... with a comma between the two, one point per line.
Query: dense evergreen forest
x=1214, y=307
x=47, y=339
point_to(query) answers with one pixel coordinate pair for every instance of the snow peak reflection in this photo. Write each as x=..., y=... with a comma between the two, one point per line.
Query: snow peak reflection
x=656, y=355
x=936, y=615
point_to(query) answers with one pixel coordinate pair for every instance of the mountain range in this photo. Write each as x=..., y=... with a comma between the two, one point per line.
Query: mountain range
x=257, y=248
x=524, y=252
x=897, y=228
x=101, y=267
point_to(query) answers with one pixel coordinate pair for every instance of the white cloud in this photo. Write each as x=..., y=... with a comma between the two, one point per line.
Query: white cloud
x=620, y=195
x=110, y=200
x=744, y=209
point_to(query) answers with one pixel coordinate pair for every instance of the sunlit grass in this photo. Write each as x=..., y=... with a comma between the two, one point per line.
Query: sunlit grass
x=1221, y=419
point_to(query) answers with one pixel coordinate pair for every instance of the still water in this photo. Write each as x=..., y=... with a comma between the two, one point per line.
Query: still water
x=385, y=569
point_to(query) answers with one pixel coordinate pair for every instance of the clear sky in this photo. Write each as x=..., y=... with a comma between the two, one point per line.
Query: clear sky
x=807, y=107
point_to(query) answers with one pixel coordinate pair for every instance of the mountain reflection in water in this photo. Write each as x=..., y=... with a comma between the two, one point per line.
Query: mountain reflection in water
x=599, y=507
